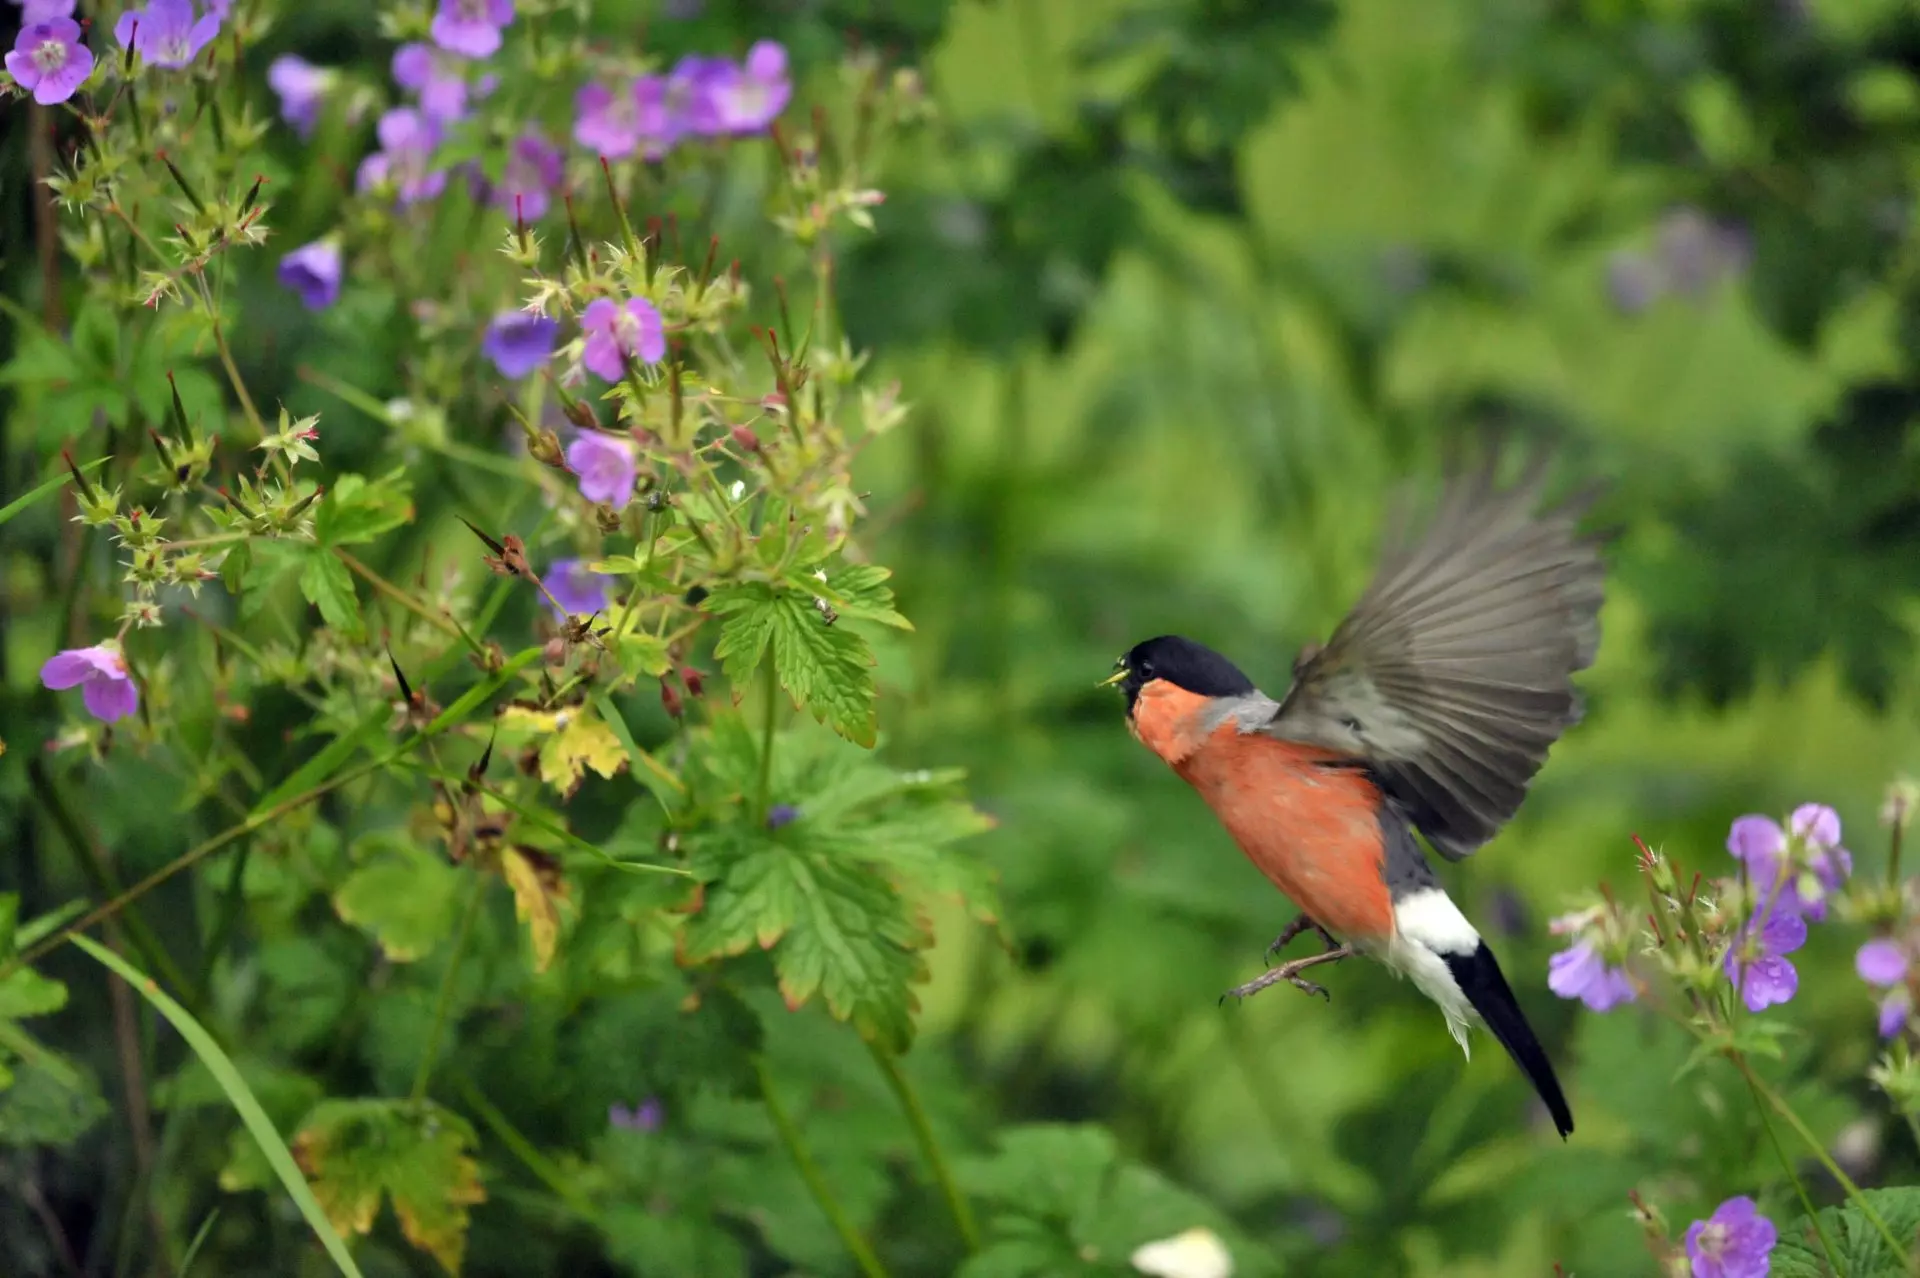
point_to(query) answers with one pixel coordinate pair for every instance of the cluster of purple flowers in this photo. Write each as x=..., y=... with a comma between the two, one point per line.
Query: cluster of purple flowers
x=49, y=60
x=1692, y=254
x=699, y=97
x=1793, y=872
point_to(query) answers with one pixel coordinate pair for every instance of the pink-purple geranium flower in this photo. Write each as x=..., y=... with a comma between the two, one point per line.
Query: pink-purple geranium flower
x=689, y=96
x=405, y=158
x=578, y=589
x=436, y=78
x=1819, y=869
x=32, y=11
x=471, y=27
x=644, y=1117
x=313, y=271
x=518, y=342
x=617, y=331
x=100, y=672
x=606, y=466
x=1756, y=962
x=1580, y=971
x=608, y=120
x=166, y=33
x=1735, y=1242
x=1883, y=963
x=302, y=88
x=532, y=175
x=49, y=61
x=747, y=98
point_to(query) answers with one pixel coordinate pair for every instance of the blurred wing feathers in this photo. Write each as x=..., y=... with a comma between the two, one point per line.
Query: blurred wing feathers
x=1453, y=673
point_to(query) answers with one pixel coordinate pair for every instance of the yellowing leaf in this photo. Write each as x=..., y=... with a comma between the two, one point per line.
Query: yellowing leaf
x=538, y=891
x=413, y=1152
x=584, y=741
x=403, y=896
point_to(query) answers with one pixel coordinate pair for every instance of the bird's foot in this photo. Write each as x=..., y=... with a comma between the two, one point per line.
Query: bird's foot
x=1290, y=973
x=1300, y=924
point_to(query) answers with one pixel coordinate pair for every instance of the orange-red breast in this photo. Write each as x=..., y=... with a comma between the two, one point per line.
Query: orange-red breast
x=1431, y=708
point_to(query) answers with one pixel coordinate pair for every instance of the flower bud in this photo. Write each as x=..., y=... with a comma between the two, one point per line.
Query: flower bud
x=670, y=700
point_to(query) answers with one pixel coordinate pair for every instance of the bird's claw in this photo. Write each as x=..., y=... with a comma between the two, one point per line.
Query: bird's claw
x=1290, y=973
x=1300, y=924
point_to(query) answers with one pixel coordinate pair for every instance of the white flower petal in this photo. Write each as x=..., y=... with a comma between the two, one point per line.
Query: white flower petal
x=1195, y=1253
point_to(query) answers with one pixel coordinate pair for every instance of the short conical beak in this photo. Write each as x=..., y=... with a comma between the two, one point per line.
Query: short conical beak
x=1119, y=673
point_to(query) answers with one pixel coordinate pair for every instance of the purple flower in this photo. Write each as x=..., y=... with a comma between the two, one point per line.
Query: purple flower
x=166, y=33
x=689, y=97
x=437, y=79
x=654, y=125
x=1734, y=1242
x=518, y=343
x=313, y=271
x=1698, y=252
x=1756, y=962
x=575, y=587
x=1633, y=282
x=32, y=11
x=531, y=176
x=1762, y=846
x=1580, y=972
x=1883, y=963
x=100, y=672
x=644, y=1117
x=609, y=120
x=746, y=99
x=606, y=468
x=302, y=87
x=471, y=27
x=782, y=814
x=49, y=60
x=407, y=140
x=615, y=331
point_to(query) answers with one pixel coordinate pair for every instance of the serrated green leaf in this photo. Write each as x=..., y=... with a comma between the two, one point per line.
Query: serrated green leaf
x=826, y=668
x=267, y=565
x=327, y=584
x=414, y=1153
x=1857, y=1244
x=404, y=897
x=834, y=929
x=234, y=566
x=356, y=510
x=860, y=590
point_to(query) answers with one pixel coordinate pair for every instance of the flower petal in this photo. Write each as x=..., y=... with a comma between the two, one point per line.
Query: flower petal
x=1755, y=837
x=1816, y=823
x=110, y=699
x=1881, y=962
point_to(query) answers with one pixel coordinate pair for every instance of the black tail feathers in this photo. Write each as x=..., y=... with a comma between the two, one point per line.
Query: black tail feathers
x=1481, y=980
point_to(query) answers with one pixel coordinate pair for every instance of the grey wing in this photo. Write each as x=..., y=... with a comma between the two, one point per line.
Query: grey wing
x=1452, y=676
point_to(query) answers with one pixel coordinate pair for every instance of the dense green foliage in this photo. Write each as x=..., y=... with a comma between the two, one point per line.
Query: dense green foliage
x=1174, y=293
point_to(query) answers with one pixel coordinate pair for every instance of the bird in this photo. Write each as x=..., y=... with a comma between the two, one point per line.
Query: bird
x=1430, y=709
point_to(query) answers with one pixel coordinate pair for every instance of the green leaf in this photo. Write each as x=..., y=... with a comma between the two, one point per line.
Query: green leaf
x=268, y=563
x=1064, y=1190
x=24, y=992
x=328, y=585
x=860, y=590
x=828, y=669
x=403, y=896
x=9, y=922
x=238, y=1093
x=50, y=1101
x=34, y=495
x=835, y=930
x=1857, y=1244
x=355, y=510
x=414, y=1153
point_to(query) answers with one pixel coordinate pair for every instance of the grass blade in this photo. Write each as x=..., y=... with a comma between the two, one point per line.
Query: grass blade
x=221, y=1067
x=47, y=489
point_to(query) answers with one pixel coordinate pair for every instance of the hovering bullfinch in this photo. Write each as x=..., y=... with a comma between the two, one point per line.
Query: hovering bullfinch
x=1431, y=708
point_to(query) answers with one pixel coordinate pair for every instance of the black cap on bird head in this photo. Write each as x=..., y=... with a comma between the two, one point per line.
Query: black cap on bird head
x=1181, y=662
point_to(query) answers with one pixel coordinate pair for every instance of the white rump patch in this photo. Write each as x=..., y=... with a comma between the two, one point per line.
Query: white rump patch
x=1426, y=926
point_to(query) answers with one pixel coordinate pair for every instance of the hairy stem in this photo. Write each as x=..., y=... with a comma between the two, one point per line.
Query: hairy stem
x=909, y=1099
x=836, y=1215
x=1845, y=1181
x=770, y=689
x=443, y=1005
x=1786, y=1165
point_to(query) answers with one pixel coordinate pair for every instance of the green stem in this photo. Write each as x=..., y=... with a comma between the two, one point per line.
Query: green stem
x=1826, y=1160
x=1786, y=1164
x=836, y=1215
x=929, y=1147
x=1893, y=854
x=770, y=689
x=520, y=1147
x=443, y=1005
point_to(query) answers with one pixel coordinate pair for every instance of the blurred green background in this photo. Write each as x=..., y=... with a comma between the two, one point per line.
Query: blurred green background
x=1181, y=292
